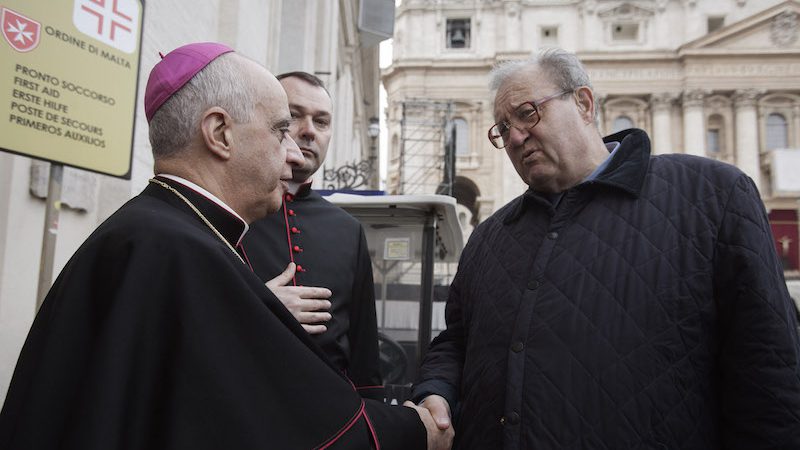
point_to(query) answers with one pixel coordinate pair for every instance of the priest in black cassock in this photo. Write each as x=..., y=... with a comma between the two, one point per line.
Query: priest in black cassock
x=157, y=334
x=323, y=246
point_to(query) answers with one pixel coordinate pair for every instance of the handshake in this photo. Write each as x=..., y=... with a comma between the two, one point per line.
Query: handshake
x=434, y=411
x=311, y=307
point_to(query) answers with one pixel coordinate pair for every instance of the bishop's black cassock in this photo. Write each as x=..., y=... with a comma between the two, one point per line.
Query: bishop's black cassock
x=157, y=336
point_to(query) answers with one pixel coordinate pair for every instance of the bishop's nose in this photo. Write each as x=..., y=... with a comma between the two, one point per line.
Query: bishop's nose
x=294, y=157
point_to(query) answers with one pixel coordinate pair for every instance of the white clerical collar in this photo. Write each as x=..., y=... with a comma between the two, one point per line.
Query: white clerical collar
x=209, y=196
x=294, y=186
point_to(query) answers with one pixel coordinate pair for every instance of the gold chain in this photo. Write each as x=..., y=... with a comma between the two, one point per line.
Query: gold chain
x=197, y=211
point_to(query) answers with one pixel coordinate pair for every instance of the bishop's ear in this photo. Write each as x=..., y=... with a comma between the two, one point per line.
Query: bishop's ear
x=216, y=130
x=584, y=97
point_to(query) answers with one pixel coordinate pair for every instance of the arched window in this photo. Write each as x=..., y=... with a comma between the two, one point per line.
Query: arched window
x=622, y=123
x=462, y=136
x=777, y=133
x=466, y=193
x=462, y=218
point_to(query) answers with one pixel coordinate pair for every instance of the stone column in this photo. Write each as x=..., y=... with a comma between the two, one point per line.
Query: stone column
x=694, y=133
x=795, y=136
x=513, y=27
x=661, y=108
x=747, y=150
x=592, y=30
x=599, y=102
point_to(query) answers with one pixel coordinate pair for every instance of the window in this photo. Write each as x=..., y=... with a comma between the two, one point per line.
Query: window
x=625, y=32
x=622, y=123
x=715, y=23
x=458, y=33
x=462, y=219
x=714, y=144
x=777, y=133
x=462, y=137
x=549, y=35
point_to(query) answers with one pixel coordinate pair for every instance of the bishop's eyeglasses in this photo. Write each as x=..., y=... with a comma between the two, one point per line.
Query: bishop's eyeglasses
x=525, y=117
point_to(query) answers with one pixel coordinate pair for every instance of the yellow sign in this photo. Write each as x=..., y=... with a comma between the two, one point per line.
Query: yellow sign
x=68, y=72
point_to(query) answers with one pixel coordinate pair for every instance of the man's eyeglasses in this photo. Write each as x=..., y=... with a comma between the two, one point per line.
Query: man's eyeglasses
x=525, y=117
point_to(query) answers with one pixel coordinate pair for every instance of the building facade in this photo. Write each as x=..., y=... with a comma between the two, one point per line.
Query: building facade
x=715, y=78
x=324, y=37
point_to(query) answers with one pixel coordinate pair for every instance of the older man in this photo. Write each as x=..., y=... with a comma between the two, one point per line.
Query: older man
x=157, y=334
x=328, y=286
x=624, y=301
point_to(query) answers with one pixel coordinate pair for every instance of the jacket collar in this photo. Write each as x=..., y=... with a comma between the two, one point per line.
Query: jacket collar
x=626, y=171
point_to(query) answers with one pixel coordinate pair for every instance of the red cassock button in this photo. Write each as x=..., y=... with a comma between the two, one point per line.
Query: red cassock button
x=289, y=197
x=291, y=212
x=295, y=230
x=300, y=268
x=297, y=249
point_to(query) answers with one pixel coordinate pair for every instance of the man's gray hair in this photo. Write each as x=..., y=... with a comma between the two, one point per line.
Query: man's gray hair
x=562, y=68
x=224, y=83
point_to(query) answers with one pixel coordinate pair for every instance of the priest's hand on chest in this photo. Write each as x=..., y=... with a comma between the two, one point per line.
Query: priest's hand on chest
x=309, y=305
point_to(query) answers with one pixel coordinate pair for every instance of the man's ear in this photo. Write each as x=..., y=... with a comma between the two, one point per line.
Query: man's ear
x=216, y=129
x=584, y=97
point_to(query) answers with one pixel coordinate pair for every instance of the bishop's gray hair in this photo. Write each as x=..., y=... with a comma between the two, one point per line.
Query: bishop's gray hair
x=223, y=82
x=562, y=68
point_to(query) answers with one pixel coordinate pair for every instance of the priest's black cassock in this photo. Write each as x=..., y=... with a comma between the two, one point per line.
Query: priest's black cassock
x=157, y=336
x=330, y=250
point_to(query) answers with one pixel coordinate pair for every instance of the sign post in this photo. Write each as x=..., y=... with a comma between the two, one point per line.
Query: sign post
x=50, y=232
x=68, y=81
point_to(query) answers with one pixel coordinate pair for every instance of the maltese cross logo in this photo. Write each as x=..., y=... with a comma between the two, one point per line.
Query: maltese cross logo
x=21, y=33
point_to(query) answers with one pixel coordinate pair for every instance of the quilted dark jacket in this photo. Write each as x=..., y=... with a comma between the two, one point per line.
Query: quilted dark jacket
x=648, y=310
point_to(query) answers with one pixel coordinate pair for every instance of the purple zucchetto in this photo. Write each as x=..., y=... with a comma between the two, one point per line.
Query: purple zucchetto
x=175, y=70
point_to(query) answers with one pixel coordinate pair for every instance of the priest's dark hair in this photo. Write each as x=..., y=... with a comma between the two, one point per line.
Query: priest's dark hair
x=223, y=83
x=307, y=77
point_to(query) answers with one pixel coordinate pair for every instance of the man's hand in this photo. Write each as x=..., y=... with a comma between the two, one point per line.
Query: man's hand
x=438, y=439
x=309, y=305
x=439, y=408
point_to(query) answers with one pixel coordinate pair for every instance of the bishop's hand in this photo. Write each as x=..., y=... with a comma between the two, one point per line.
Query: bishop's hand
x=438, y=438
